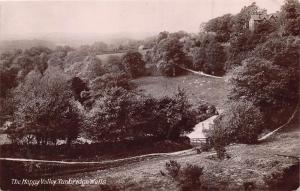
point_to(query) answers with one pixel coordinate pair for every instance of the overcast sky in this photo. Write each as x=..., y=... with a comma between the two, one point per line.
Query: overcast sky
x=116, y=16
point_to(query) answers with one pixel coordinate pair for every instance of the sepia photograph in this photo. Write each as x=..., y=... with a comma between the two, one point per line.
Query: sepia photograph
x=146, y=95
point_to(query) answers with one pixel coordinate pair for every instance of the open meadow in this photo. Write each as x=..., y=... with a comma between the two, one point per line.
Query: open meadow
x=198, y=88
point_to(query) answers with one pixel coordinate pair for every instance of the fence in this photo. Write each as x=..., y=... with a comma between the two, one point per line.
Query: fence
x=197, y=141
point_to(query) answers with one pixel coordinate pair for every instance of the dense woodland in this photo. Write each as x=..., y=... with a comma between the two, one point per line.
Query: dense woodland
x=65, y=93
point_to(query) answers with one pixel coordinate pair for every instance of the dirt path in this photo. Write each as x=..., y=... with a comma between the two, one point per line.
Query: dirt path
x=200, y=73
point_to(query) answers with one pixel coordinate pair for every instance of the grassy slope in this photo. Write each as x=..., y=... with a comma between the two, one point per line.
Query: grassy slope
x=248, y=163
x=198, y=88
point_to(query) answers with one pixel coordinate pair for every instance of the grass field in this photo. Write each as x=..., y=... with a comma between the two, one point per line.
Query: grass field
x=198, y=88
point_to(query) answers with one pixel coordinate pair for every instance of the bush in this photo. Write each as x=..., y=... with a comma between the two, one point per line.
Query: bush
x=241, y=122
x=205, y=147
x=188, y=177
x=173, y=168
x=217, y=139
x=274, y=179
x=286, y=178
x=110, y=80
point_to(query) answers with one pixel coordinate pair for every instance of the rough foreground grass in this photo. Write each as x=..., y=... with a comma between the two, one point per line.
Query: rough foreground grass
x=258, y=167
x=198, y=88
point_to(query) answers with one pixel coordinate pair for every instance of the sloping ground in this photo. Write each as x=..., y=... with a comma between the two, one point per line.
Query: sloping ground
x=198, y=88
x=258, y=166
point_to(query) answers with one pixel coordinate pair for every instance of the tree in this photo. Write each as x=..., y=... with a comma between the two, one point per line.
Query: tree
x=133, y=64
x=266, y=86
x=108, y=120
x=162, y=35
x=174, y=116
x=252, y=80
x=92, y=68
x=8, y=80
x=280, y=51
x=171, y=55
x=215, y=59
x=15, y=65
x=110, y=80
x=45, y=108
x=199, y=58
x=98, y=48
x=242, y=122
x=209, y=57
x=290, y=16
x=222, y=26
x=169, y=52
x=63, y=50
x=89, y=68
x=119, y=114
x=242, y=40
x=78, y=86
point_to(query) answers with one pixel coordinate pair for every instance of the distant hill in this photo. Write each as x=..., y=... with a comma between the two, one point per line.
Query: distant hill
x=7, y=45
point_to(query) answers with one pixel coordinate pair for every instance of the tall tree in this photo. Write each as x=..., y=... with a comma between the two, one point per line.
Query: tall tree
x=290, y=13
x=222, y=26
x=45, y=108
x=134, y=64
x=109, y=120
x=171, y=55
x=215, y=59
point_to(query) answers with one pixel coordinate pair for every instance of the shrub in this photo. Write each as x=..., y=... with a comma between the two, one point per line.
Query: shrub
x=173, y=168
x=190, y=177
x=274, y=179
x=217, y=139
x=241, y=122
x=110, y=80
